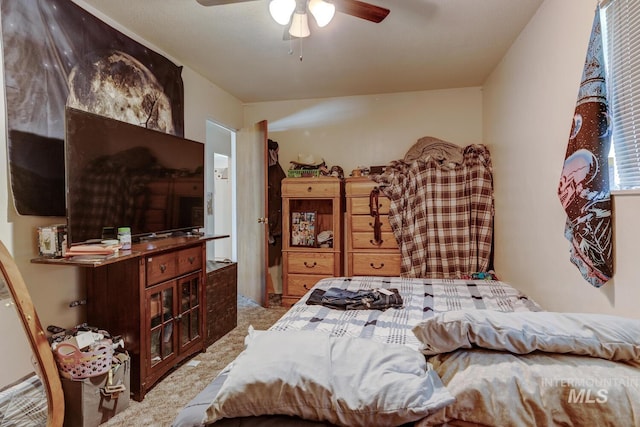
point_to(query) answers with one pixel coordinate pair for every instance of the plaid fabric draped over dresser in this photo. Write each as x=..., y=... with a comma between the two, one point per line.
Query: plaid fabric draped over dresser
x=442, y=216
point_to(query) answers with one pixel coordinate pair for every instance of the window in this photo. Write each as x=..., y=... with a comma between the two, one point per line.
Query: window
x=621, y=38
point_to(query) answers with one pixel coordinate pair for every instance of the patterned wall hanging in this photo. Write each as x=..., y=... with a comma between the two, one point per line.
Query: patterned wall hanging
x=57, y=54
x=584, y=184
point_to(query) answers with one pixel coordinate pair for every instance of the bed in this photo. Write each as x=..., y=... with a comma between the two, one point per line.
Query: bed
x=24, y=403
x=459, y=352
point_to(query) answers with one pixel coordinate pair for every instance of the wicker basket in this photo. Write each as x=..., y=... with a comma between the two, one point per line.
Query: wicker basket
x=76, y=364
x=303, y=173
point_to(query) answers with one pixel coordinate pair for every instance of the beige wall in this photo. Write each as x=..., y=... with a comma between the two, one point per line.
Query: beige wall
x=528, y=109
x=371, y=129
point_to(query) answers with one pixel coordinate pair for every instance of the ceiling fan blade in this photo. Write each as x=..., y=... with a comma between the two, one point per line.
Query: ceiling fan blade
x=219, y=2
x=362, y=10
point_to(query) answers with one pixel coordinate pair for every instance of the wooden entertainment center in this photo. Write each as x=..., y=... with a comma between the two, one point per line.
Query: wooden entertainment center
x=160, y=299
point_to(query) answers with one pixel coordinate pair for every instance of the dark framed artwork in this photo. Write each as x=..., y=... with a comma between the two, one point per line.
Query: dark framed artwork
x=303, y=229
x=57, y=54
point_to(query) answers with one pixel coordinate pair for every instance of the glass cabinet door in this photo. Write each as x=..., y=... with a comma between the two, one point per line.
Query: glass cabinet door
x=161, y=315
x=190, y=311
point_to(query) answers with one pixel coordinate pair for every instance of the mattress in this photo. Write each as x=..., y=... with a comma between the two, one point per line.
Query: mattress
x=422, y=299
x=24, y=403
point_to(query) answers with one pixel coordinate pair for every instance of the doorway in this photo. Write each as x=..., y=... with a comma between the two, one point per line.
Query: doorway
x=220, y=191
x=222, y=212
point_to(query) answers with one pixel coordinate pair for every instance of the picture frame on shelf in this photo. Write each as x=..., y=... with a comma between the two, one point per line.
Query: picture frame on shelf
x=303, y=229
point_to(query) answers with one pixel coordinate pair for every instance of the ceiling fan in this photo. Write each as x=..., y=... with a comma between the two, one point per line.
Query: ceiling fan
x=294, y=12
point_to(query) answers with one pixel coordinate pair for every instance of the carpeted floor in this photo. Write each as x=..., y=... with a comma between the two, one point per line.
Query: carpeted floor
x=163, y=402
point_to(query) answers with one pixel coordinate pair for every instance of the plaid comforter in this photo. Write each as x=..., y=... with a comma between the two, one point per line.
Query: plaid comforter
x=442, y=217
x=422, y=298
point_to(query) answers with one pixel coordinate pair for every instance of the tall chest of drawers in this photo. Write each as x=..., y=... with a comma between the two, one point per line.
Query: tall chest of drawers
x=369, y=253
x=312, y=210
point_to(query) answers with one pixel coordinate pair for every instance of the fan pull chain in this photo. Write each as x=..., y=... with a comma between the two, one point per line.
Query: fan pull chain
x=290, y=45
x=291, y=42
x=300, y=49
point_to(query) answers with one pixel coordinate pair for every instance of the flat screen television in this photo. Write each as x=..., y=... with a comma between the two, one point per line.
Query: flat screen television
x=122, y=175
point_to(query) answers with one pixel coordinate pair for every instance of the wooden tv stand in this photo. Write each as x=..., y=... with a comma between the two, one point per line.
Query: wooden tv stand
x=154, y=297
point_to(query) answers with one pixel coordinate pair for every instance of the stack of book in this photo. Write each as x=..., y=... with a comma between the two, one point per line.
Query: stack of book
x=92, y=250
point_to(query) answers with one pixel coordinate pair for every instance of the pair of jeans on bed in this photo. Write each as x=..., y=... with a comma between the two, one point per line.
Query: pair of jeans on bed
x=343, y=299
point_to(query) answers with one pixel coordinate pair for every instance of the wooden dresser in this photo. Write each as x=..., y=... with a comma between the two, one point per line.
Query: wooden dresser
x=222, y=300
x=155, y=301
x=311, y=208
x=367, y=256
x=156, y=297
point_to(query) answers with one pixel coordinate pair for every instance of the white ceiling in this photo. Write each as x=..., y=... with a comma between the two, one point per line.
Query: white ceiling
x=421, y=45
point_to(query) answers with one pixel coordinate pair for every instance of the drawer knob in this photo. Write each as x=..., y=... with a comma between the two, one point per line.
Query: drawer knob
x=305, y=286
x=163, y=268
x=191, y=259
x=310, y=265
x=309, y=189
x=376, y=243
x=377, y=268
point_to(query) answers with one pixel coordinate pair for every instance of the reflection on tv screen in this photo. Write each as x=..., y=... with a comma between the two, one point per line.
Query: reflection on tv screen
x=123, y=175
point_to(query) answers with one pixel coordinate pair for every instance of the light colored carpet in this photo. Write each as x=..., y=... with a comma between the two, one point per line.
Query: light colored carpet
x=163, y=402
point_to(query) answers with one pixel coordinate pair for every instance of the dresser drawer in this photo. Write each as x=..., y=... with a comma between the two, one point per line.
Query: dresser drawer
x=366, y=264
x=188, y=187
x=161, y=267
x=310, y=263
x=365, y=223
x=155, y=216
x=189, y=260
x=299, y=284
x=158, y=201
x=360, y=205
x=359, y=187
x=300, y=188
x=364, y=240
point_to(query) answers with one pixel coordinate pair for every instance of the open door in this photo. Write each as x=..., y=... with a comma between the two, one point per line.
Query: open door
x=275, y=175
x=252, y=208
x=265, y=217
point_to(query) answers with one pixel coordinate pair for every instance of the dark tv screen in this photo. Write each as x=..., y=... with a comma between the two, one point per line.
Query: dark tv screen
x=123, y=175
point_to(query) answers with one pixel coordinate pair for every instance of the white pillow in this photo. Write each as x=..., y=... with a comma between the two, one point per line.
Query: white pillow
x=341, y=380
x=597, y=335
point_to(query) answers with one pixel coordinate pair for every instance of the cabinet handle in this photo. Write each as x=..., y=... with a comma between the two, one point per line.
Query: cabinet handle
x=374, y=243
x=310, y=266
x=191, y=259
x=377, y=268
x=163, y=268
x=309, y=189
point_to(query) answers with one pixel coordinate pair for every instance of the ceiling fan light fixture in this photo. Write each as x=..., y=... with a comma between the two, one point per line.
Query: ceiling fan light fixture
x=281, y=10
x=322, y=11
x=300, y=25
